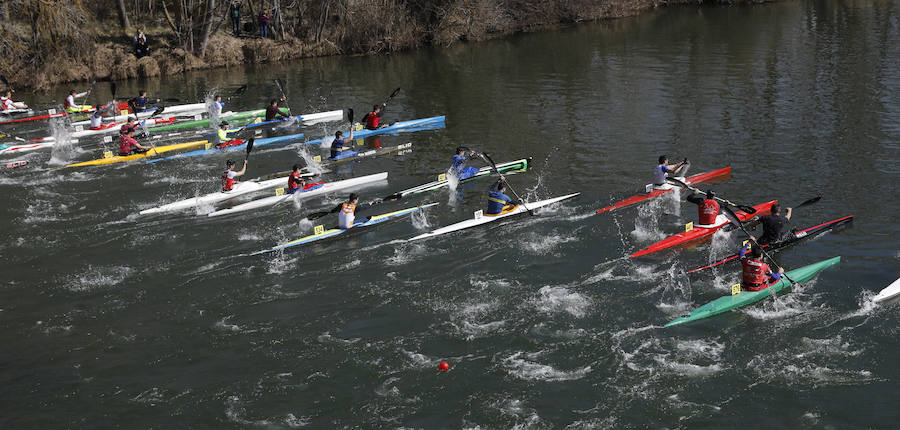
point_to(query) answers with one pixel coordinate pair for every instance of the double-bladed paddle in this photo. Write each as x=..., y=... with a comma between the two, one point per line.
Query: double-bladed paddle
x=280, y=85
x=744, y=208
x=487, y=157
x=391, y=97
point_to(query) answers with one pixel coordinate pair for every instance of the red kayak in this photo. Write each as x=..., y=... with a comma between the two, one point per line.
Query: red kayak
x=700, y=232
x=691, y=180
x=121, y=106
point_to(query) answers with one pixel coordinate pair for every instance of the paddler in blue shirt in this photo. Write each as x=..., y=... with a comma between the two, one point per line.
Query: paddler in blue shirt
x=458, y=163
x=338, y=144
x=142, y=102
x=664, y=168
x=497, y=200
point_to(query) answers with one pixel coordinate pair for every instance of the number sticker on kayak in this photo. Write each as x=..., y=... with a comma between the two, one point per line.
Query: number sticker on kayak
x=107, y=139
x=689, y=226
x=319, y=229
x=107, y=154
x=279, y=191
x=209, y=145
x=479, y=214
x=124, y=113
x=317, y=159
x=51, y=111
x=442, y=177
x=79, y=128
x=735, y=289
x=198, y=117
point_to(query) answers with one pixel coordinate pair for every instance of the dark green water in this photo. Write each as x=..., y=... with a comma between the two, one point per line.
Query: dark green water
x=110, y=319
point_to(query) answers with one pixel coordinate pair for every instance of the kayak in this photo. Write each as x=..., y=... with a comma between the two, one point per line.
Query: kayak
x=481, y=218
x=652, y=194
x=279, y=198
x=744, y=298
x=409, y=126
x=795, y=237
x=891, y=291
x=358, y=224
x=104, y=129
x=15, y=111
x=206, y=122
x=240, y=188
x=111, y=159
x=432, y=123
x=508, y=168
x=700, y=232
x=211, y=149
x=399, y=149
x=53, y=113
x=193, y=109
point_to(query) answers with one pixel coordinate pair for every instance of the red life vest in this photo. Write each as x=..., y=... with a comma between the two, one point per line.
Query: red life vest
x=126, y=143
x=754, y=274
x=3, y=103
x=372, y=120
x=294, y=181
x=709, y=210
x=227, y=183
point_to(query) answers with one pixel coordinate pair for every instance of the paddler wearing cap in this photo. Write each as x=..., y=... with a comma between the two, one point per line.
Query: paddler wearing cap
x=339, y=142
x=347, y=210
x=229, y=174
x=707, y=207
x=129, y=146
x=755, y=274
x=71, y=106
x=458, y=163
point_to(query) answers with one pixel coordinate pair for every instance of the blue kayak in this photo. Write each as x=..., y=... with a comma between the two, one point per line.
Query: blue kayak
x=432, y=123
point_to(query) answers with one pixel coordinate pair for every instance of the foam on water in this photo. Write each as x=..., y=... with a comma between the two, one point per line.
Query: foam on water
x=522, y=366
x=92, y=278
x=646, y=224
x=542, y=244
x=551, y=300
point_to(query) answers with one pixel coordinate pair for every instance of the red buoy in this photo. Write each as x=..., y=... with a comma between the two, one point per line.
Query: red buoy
x=444, y=366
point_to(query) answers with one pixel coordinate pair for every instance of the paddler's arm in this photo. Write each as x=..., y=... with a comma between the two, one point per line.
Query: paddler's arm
x=788, y=214
x=242, y=171
x=695, y=198
x=744, y=250
x=362, y=207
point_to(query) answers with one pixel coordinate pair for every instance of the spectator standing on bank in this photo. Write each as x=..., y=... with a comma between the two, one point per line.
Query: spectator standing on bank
x=235, y=12
x=263, y=20
x=140, y=44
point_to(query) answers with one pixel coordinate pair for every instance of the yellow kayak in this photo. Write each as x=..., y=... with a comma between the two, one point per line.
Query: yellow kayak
x=109, y=158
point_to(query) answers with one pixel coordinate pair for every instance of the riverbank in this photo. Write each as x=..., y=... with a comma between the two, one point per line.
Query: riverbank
x=110, y=57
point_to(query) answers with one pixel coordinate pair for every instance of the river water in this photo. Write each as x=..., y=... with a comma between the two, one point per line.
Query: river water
x=111, y=319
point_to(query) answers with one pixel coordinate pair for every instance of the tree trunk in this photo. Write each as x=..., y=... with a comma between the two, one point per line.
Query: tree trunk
x=322, y=19
x=207, y=26
x=123, y=15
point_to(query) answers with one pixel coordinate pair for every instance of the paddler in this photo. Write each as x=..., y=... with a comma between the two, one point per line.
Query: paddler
x=71, y=106
x=664, y=168
x=229, y=174
x=372, y=120
x=776, y=227
x=347, y=211
x=498, y=200
x=142, y=102
x=129, y=146
x=296, y=182
x=215, y=108
x=274, y=110
x=755, y=274
x=97, y=116
x=6, y=102
x=458, y=163
x=707, y=208
x=337, y=145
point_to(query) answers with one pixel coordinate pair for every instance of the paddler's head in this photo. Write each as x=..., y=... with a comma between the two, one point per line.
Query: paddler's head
x=755, y=251
x=338, y=134
x=129, y=132
x=501, y=186
x=218, y=98
x=229, y=164
x=710, y=194
x=223, y=125
x=663, y=159
x=353, y=198
x=72, y=92
x=460, y=150
x=776, y=209
x=376, y=108
x=273, y=102
x=142, y=93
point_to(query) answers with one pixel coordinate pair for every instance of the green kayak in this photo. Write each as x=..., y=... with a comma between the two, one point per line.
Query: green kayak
x=744, y=298
x=250, y=114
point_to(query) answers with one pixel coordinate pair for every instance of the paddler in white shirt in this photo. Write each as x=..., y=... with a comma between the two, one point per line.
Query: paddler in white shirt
x=71, y=106
x=229, y=175
x=664, y=168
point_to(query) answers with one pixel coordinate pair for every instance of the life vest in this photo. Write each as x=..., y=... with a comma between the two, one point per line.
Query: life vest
x=5, y=103
x=126, y=143
x=227, y=183
x=372, y=120
x=346, y=215
x=708, y=211
x=294, y=181
x=70, y=102
x=754, y=274
x=496, y=202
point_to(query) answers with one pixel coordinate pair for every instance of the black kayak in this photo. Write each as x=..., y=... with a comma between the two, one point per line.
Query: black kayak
x=795, y=237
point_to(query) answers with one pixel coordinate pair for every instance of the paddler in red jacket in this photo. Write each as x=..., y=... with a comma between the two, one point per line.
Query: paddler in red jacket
x=708, y=208
x=129, y=146
x=755, y=274
x=372, y=120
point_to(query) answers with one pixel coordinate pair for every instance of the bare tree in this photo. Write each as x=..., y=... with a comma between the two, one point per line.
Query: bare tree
x=123, y=15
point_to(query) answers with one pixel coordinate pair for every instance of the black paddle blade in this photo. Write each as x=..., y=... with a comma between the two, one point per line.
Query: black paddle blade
x=809, y=202
x=5, y=82
x=134, y=108
x=394, y=94
x=733, y=218
x=677, y=182
x=350, y=115
x=172, y=100
x=112, y=89
x=250, y=145
x=240, y=90
x=316, y=215
x=158, y=110
x=747, y=209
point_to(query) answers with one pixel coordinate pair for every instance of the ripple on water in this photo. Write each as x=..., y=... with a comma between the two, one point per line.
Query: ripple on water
x=522, y=366
x=93, y=278
x=551, y=300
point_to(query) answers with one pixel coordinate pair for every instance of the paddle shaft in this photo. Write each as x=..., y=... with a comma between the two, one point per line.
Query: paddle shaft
x=737, y=221
x=745, y=208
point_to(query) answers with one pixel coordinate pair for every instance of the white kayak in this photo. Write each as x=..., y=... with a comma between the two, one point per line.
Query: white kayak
x=279, y=198
x=107, y=128
x=240, y=188
x=891, y=291
x=197, y=110
x=481, y=218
